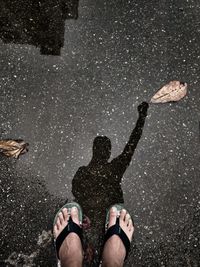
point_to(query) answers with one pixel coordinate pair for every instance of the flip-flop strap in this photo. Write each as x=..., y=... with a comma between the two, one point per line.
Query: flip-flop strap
x=117, y=230
x=71, y=227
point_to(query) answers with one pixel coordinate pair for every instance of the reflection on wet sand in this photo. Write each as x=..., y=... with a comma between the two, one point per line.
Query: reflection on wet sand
x=98, y=185
x=38, y=23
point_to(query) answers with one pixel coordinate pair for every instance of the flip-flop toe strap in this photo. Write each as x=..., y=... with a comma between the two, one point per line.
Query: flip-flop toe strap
x=71, y=227
x=117, y=230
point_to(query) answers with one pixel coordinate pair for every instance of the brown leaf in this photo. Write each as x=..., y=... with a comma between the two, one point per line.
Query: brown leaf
x=173, y=91
x=13, y=148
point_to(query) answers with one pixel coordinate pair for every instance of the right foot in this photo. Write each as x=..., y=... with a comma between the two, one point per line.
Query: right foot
x=114, y=252
x=71, y=251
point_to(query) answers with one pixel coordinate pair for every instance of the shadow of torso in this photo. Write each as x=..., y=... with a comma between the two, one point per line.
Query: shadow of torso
x=97, y=187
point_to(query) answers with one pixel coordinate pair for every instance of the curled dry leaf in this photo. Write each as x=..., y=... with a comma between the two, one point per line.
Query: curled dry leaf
x=173, y=91
x=13, y=148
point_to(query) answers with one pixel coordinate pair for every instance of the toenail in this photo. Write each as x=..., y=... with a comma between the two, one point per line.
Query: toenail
x=114, y=209
x=74, y=209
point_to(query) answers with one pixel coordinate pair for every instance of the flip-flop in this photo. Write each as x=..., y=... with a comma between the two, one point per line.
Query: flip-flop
x=71, y=227
x=116, y=229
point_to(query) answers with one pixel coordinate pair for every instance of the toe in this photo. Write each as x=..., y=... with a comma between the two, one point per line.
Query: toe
x=123, y=215
x=58, y=223
x=130, y=224
x=112, y=216
x=74, y=215
x=127, y=218
x=55, y=231
x=61, y=217
x=131, y=231
x=65, y=214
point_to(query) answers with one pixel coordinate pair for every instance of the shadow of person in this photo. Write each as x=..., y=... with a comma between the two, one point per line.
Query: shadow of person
x=98, y=185
x=38, y=23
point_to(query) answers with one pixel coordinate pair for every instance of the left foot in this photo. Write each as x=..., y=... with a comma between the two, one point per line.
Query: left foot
x=71, y=251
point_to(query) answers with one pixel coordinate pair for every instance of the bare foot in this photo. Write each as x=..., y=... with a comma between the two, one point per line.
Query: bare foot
x=71, y=252
x=114, y=251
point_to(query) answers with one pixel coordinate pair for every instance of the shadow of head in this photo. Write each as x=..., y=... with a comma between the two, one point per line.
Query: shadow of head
x=101, y=148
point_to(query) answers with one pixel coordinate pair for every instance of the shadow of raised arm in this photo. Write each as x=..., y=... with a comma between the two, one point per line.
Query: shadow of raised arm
x=123, y=160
